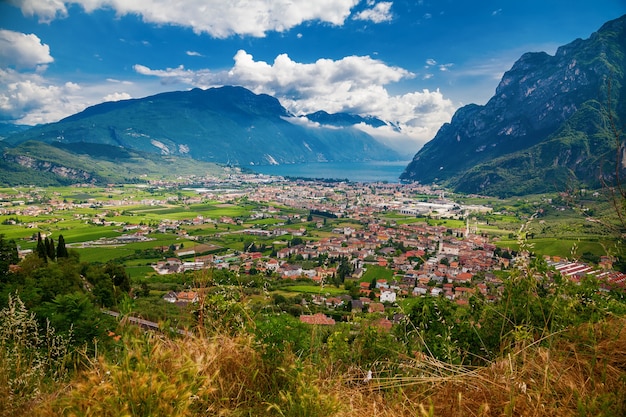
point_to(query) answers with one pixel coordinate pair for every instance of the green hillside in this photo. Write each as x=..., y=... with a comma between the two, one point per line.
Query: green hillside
x=38, y=163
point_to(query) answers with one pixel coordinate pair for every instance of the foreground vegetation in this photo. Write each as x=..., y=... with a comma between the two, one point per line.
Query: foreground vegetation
x=547, y=347
x=580, y=372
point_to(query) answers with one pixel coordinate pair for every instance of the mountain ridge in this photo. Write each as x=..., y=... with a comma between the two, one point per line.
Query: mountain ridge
x=230, y=125
x=532, y=105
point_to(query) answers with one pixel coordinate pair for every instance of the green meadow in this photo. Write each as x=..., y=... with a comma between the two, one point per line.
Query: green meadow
x=568, y=248
x=376, y=272
x=315, y=289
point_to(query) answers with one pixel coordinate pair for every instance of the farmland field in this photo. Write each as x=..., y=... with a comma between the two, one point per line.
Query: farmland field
x=315, y=289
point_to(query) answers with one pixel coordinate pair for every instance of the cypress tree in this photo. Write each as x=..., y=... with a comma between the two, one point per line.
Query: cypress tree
x=61, y=249
x=50, y=251
x=41, y=248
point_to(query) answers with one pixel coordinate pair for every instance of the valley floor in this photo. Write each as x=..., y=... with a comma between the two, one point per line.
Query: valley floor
x=306, y=298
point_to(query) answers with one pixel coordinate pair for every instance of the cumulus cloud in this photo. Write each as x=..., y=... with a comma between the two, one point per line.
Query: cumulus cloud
x=217, y=18
x=381, y=12
x=22, y=50
x=46, y=10
x=334, y=85
x=354, y=84
x=30, y=99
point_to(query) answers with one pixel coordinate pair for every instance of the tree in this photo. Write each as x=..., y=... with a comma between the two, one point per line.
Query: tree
x=344, y=269
x=50, y=251
x=8, y=256
x=119, y=277
x=76, y=313
x=41, y=248
x=52, y=280
x=145, y=289
x=373, y=284
x=61, y=249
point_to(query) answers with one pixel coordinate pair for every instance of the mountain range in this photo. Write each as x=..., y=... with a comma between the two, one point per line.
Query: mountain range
x=227, y=125
x=553, y=123
x=549, y=126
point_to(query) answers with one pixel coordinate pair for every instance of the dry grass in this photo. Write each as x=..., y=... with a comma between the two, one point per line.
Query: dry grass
x=159, y=376
x=581, y=372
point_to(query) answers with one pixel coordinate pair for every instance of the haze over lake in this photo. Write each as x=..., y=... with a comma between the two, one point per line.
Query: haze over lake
x=374, y=171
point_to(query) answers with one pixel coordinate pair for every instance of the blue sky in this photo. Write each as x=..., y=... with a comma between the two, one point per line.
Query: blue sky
x=410, y=62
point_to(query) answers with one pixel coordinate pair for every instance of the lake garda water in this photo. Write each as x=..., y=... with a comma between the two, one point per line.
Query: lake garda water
x=374, y=171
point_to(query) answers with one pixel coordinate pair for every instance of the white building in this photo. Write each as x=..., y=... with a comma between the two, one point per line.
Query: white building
x=387, y=296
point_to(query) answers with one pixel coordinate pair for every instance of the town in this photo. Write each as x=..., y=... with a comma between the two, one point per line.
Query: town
x=379, y=242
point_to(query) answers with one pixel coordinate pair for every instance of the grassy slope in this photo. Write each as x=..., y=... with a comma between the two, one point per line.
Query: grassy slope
x=580, y=372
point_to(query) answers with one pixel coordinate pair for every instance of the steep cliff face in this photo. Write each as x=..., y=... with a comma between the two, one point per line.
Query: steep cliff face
x=540, y=100
x=51, y=167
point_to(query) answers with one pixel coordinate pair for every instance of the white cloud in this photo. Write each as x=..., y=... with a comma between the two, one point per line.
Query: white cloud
x=431, y=62
x=46, y=10
x=404, y=144
x=22, y=51
x=193, y=53
x=113, y=80
x=30, y=99
x=381, y=12
x=117, y=97
x=26, y=97
x=302, y=121
x=355, y=84
x=218, y=18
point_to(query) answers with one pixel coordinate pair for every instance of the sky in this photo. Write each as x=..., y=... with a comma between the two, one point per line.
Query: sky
x=410, y=62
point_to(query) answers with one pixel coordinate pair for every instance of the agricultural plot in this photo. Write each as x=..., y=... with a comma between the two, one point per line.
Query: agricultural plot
x=565, y=248
x=315, y=289
x=138, y=272
x=102, y=254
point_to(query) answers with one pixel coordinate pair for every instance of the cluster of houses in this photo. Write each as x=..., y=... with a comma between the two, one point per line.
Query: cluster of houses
x=440, y=262
x=451, y=263
x=455, y=263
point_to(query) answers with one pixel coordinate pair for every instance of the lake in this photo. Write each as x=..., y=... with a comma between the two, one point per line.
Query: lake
x=374, y=171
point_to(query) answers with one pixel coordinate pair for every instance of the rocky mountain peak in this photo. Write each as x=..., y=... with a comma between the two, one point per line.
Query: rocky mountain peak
x=533, y=101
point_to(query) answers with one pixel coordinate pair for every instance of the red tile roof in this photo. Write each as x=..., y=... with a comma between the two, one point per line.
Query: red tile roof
x=318, y=318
